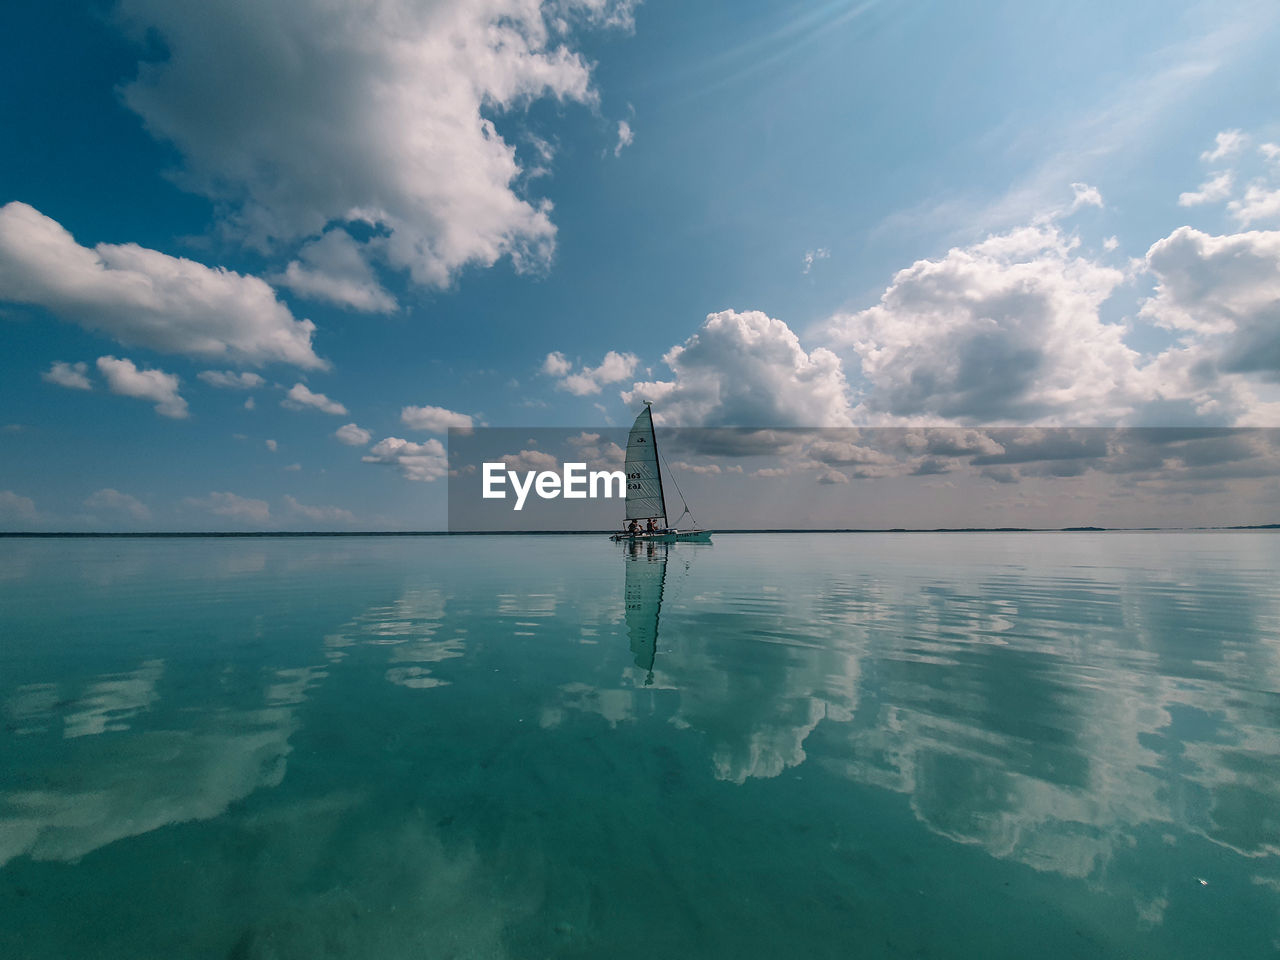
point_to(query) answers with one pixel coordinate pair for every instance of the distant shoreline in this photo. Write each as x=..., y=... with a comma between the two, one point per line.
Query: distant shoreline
x=287, y=534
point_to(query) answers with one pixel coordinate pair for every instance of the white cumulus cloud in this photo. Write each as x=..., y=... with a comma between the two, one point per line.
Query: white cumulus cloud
x=1084, y=195
x=1259, y=202
x=556, y=364
x=113, y=501
x=378, y=112
x=423, y=462
x=301, y=398
x=226, y=504
x=145, y=298
x=1213, y=190
x=319, y=514
x=352, y=435
x=13, y=506
x=123, y=377
x=70, y=375
x=1223, y=294
x=748, y=369
x=230, y=380
x=527, y=460
x=614, y=368
x=434, y=419
x=334, y=268
x=1225, y=144
x=1005, y=330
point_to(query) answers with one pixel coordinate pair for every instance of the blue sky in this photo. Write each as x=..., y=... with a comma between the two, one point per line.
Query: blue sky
x=376, y=220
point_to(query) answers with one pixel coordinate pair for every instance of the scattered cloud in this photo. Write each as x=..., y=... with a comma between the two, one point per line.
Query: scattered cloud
x=423, y=462
x=339, y=114
x=626, y=136
x=144, y=298
x=614, y=368
x=16, y=507
x=845, y=452
x=556, y=364
x=1005, y=475
x=70, y=375
x=1226, y=144
x=702, y=469
x=434, y=419
x=334, y=268
x=812, y=256
x=1034, y=445
x=300, y=398
x=319, y=514
x=1084, y=195
x=1110, y=244
x=249, y=403
x=352, y=435
x=271, y=445
x=125, y=379
x=747, y=369
x=113, y=501
x=230, y=380
x=233, y=507
x=832, y=477
x=1214, y=190
x=597, y=455
x=530, y=460
x=929, y=467
x=1259, y=203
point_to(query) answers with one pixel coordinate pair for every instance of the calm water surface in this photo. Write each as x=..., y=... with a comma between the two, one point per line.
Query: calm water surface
x=987, y=745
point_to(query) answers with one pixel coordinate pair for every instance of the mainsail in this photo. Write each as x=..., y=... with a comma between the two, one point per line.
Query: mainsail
x=644, y=483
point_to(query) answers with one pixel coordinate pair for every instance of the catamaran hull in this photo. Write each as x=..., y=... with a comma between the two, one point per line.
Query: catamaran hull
x=666, y=536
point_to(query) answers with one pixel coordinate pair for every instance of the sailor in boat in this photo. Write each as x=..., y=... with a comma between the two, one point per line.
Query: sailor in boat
x=633, y=528
x=651, y=527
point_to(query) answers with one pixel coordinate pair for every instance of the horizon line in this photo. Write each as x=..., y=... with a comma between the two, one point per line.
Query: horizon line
x=195, y=534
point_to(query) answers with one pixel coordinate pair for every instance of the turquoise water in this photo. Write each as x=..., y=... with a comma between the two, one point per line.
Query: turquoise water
x=957, y=745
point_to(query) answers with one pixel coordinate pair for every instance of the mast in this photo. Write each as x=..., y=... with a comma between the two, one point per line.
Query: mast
x=657, y=463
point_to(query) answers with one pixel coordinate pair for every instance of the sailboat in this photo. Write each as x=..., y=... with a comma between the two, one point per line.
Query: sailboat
x=645, y=500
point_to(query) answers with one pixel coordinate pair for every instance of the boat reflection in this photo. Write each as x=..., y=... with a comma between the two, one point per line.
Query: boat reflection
x=646, y=575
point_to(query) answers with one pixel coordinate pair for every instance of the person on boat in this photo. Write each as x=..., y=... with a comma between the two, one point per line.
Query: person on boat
x=633, y=527
x=651, y=527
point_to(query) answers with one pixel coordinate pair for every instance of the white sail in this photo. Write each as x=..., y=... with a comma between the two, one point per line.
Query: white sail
x=644, y=484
